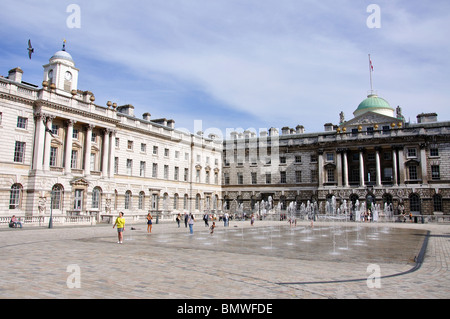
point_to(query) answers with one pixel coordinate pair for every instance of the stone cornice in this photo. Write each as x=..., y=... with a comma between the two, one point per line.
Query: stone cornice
x=16, y=98
x=85, y=114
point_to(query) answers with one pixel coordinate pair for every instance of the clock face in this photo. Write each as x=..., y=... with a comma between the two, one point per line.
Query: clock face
x=68, y=76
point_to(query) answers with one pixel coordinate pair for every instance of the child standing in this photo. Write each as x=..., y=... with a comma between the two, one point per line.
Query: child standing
x=212, y=227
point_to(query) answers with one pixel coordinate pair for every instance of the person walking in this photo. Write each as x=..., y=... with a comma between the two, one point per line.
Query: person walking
x=120, y=223
x=205, y=219
x=178, y=219
x=225, y=219
x=186, y=217
x=149, y=223
x=191, y=223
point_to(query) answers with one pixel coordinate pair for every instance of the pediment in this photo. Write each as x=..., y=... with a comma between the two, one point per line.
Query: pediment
x=370, y=118
x=79, y=182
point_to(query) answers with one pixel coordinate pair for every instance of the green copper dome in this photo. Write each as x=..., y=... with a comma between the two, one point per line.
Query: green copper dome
x=374, y=103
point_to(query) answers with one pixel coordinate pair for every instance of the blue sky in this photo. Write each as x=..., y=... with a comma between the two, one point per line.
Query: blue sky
x=244, y=64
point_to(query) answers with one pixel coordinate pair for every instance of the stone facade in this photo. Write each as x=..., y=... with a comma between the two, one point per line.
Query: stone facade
x=63, y=154
x=373, y=158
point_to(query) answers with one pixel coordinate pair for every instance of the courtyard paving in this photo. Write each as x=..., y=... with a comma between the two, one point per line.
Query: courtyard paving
x=270, y=260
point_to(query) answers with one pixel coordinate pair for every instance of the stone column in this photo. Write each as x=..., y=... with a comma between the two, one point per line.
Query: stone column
x=105, y=153
x=39, y=137
x=401, y=165
x=361, y=167
x=68, y=147
x=48, y=141
x=339, y=167
x=112, y=148
x=320, y=168
x=87, y=151
x=344, y=153
x=423, y=163
x=378, y=165
x=394, y=166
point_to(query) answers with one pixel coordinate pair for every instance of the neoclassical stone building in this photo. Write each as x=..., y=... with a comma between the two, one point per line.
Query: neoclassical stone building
x=375, y=157
x=64, y=155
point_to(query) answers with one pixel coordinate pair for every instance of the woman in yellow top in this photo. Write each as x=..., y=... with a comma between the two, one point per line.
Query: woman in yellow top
x=120, y=223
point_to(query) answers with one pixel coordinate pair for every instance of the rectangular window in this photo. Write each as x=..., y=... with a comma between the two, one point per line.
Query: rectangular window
x=314, y=176
x=298, y=159
x=413, y=172
x=19, y=152
x=155, y=150
x=129, y=166
x=130, y=145
x=74, y=159
x=93, y=137
x=435, y=172
x=155, y=170
x=22, y=122
x=142, y=169
x=117, y=142
x=283, y=177
x=55, y=129
x=176, y=172
x=254, y=178
x=412, y=152
x=434, y=152
x=330, y=157
x=116, y=165
x=53, y=156
x=75, y=134
x=298, y=177
x=282, y=159
x=92, y=162
x=166, y=171
x=268, y=178
x=143, y=147
x=330, y=175
x=78, y=200
x=186, y=174
x=226, y=178
x=240, y=178
x=166, y=152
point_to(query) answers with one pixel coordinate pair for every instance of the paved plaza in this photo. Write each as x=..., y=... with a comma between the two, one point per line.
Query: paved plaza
x=269, y=260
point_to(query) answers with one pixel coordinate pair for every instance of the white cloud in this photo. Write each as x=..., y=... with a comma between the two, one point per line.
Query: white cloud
x=281, y=62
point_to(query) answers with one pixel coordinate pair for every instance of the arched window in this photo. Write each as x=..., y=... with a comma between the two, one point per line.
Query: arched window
x=96, y=197
x=414, y=203
x=128, y=200
x=437, y=203
x=15, y=197
x=57, y=196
